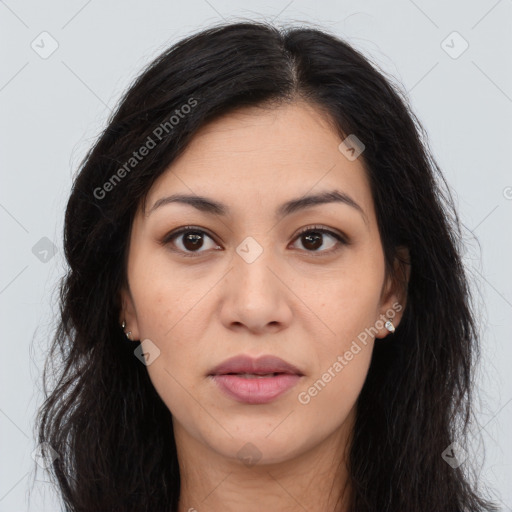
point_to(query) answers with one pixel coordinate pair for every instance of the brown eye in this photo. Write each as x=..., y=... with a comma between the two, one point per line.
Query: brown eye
x=314, y=240
x=190, y=240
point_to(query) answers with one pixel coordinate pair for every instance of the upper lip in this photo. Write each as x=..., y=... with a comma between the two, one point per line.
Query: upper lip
x=260, y=365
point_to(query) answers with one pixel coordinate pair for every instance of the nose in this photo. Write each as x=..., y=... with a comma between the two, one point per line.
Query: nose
x=255, y=294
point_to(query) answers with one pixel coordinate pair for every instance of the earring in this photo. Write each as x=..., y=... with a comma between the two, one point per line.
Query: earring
x=389, y=326
x=129, y=333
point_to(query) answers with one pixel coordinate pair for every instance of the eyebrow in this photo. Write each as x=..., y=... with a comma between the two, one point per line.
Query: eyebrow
x=212, y=207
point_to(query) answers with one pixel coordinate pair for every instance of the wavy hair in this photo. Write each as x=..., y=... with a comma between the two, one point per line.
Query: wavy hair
x=112, y=432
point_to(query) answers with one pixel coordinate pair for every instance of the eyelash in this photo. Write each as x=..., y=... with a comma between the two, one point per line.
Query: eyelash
x=343, y=240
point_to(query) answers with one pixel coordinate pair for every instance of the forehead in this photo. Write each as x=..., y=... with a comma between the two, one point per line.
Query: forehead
x=265, y=154
x=292, y=132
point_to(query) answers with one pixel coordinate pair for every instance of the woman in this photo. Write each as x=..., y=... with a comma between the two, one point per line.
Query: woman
x=265, y=307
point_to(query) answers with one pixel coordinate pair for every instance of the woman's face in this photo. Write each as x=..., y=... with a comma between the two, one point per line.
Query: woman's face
x=243, y=281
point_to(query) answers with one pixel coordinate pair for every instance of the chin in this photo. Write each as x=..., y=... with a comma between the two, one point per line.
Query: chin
x=260, y=444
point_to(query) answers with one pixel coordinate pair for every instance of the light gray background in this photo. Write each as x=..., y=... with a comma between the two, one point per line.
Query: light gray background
x=53, y=108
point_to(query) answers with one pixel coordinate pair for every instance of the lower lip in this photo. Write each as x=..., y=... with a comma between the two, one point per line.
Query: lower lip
x=256, y=390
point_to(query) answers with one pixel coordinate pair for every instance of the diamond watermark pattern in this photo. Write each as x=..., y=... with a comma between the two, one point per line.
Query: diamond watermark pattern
x=454, y=45
x=147, y=352
x=351, y=147
x=454, y=455
x=249, y=249
x=249, y=454
x=44, y=455
x=44, y=45
x=44, y=250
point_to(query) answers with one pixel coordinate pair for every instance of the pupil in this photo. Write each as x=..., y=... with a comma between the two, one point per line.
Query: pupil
x=314, y=238
x=195, y=239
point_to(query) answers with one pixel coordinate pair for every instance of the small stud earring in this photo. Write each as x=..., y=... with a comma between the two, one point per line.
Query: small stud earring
x=129, y=333
x=389, y=326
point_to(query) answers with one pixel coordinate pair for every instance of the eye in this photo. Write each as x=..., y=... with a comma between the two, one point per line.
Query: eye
x=313, y=239
x=189, y=240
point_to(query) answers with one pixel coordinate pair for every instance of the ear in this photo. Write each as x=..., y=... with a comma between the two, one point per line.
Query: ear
x=128, y=313
x=394, y=292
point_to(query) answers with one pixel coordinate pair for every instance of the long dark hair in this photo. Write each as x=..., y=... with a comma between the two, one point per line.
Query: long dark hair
x=111, y=431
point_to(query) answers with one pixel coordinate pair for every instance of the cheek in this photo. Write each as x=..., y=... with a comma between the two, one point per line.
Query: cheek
x=351, y=310
x=326, y=401
x=166, y=315
x=162, y=297
x=343, y=355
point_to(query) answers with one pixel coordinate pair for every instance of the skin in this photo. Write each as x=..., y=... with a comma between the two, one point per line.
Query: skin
x=304, y=305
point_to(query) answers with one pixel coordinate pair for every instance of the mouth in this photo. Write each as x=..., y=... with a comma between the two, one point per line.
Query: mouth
x=262, y=366
x=255, y=381
x=255, y=389
x=255, y=375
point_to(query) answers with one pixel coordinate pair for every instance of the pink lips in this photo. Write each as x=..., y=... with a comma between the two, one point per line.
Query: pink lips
x=276, y=377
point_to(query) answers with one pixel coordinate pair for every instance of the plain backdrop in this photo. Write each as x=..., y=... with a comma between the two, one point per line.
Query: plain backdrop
x=64, y=67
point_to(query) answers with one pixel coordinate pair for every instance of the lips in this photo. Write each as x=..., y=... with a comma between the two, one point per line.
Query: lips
x=255, y=381
x=261, y=366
